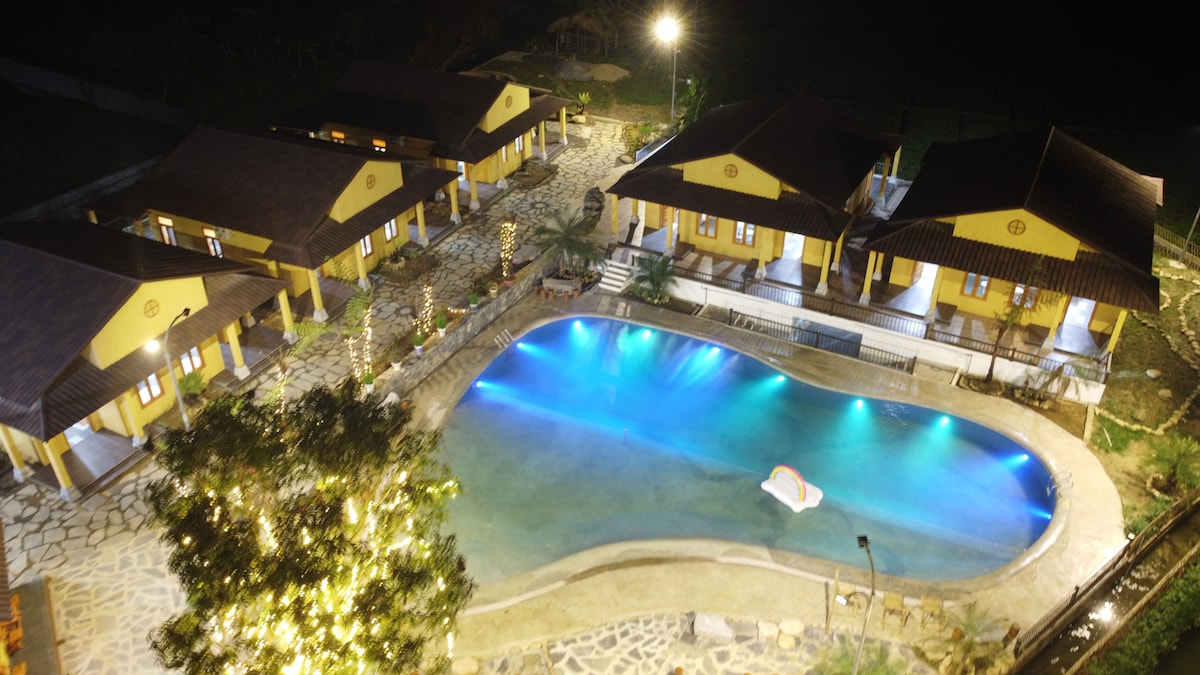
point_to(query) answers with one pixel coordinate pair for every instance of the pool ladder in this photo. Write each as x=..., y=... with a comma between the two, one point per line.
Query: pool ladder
x=504, y=339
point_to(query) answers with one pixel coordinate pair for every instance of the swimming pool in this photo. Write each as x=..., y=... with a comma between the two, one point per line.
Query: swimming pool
x=594, y=431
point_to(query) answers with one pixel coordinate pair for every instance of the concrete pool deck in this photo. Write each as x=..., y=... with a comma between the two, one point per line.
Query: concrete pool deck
x=607, y=586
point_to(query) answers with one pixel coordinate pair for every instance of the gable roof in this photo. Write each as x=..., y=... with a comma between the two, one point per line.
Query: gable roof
x=806, y=144
x=1053, y=176
x=445, y=108
x=1089, y=196
x=64, y=281
x=269, y=185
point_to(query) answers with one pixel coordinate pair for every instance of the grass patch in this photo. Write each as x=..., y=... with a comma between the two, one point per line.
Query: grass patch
x=1112, y=437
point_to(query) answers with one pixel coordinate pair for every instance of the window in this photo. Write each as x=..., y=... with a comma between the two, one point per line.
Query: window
x=338, y=136
x=214, y=244
x=706, y=225
x=519, y=144
x=1024, y=296
x=744, y=233
x=504, y=153
x=149, y=389
x=366, y=246
x=168, y=235
x=379, y=144
x=389, y=230
x=975, y=285
x=191, y=360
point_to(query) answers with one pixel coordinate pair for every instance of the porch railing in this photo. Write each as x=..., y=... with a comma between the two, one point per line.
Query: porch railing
x=1176, y=247
x=1095, y=370
x=815, y=338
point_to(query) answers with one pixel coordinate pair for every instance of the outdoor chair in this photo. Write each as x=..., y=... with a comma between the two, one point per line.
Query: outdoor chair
x=846, y=598
x=933, y=612
x=893, y=607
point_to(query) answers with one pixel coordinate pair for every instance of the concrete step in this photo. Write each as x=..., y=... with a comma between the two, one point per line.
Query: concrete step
x=616, y=278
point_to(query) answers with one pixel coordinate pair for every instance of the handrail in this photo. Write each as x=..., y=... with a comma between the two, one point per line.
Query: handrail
x=815, y=338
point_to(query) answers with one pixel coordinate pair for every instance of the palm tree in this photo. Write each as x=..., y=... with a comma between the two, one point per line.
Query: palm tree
x=653, y=279
x=569, y=238
x=967, y=650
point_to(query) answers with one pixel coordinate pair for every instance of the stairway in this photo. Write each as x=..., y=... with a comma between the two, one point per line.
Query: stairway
x=616, y=277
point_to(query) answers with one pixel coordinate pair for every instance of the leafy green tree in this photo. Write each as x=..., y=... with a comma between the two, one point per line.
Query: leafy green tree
x=569, y=237
x=967, y=650
x=307, y=537
x=838, y=658
x=653, y=279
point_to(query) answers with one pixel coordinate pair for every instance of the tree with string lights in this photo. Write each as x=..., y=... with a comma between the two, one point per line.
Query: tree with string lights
x=308, y=539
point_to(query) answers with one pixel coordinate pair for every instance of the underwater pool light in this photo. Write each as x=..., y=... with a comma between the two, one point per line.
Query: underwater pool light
x=646, y=334
x=944, y=421
x=858, y=403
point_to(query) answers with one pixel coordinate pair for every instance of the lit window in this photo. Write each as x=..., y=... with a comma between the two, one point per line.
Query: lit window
x=168, y=235
x=366, y=246
x=744, y=233
x=504, y=153
x=519, y=144
x=1024, y=297
x=338, y=136
x=975, y=285
x=214, y=244
x=379, y=144
x=389, y=230
x=163, y=220
x=706, y=225
x=149, y=389
x=190, y=360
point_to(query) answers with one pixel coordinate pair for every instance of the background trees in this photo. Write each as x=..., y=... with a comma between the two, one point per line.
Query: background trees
x=307, y=537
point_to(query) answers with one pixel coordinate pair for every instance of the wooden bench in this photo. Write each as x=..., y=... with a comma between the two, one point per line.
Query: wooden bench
x=569, y=288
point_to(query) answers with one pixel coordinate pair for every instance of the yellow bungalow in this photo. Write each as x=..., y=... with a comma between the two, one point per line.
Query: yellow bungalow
x=479, y=126
x=750, y=178
x=293, y=208
x=78, y=386
x=1036, y=218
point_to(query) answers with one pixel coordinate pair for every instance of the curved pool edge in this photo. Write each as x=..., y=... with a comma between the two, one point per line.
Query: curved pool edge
x=1084, y=532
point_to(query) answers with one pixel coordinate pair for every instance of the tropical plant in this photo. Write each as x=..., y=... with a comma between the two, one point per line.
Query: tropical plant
x=354, y=328
x=280, y=522
x=840, y=657
x=694, y=100
x=368, y=377
x=418, y=339
x=569, y=237
x=1031, y=299
x=966, y=650
x=653, y=279
x=473, y=299
x=581, y=102
x=1175, y=458
x=442, y=321
x=192, y=384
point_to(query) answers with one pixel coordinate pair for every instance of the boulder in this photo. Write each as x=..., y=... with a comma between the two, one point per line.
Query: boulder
x=786, y=642
x=573, y=70
x=791, y=627
x=712, y=627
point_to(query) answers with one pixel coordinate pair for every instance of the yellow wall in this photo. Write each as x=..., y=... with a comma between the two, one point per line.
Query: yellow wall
x=999, y=293
x=902, y=272
x=374, y=181
x=1038, y=237
x=130, y=328
x=513, y=101
x=186, y=228
x=729, y=172
x=1104, y=318
x=108, y=416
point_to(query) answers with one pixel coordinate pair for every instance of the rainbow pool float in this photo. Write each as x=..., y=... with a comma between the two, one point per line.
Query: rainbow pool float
x=788, y=486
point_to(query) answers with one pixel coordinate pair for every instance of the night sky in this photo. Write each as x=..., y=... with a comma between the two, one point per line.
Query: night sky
x=1076, y=65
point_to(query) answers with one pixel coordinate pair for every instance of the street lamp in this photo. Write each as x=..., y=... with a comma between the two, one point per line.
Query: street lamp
x=864, y=543
x=667, y=30
x=153, y=346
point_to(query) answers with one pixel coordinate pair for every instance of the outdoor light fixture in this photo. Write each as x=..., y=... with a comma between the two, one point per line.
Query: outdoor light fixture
x=667, y=31
x=153, y=346
x=865, y=543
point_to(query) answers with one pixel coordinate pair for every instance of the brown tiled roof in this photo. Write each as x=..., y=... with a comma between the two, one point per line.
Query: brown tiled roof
x=274, y=186
x=803, y=142
x=792, y=212
x=445, y=108
x=1053, y=176
x=1096, y=276
x=332, y=237
x=63, y=282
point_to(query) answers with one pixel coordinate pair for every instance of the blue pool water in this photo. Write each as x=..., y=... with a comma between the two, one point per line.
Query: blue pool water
x=593, y=431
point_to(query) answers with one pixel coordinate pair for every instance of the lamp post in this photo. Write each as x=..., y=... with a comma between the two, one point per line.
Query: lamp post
x=864, y=543
x=187, y=424
x=667, y=30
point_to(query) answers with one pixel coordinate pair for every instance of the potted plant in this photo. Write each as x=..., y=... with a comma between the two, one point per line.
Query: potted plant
x=368, y=381
x=473, y=300
x=493, y=289
x=397, y=358
x=418, y=343
x=441, y=322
